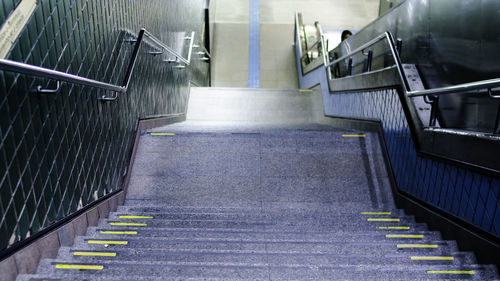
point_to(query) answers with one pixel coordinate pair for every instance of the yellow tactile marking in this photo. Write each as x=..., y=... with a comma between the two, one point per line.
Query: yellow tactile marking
x=417, y=246
x=163, y=134
x=305, y=90
x=404, y=236
x=136, y=217
x=203, y=34
x=108, y=242
x=375, y=213
x=79, y=266
x=118, y=232
x=429, y=258
x=354, y=136
x=128, y=223
x=383, y=220
x=94, y=254
x=470, y=272
x=393, y=227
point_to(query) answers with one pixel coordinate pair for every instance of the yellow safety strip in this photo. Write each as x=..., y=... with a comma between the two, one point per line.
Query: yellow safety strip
x=471, y=272
x=94, y=254
x=417, y=246
x=427, y=258
x=354, y=136
x=393, y=227
x=386, y=220
x=128, y=223
x=404, y=236
x=119, y=232
x=203, y=34
x=305, y=90
x=162, y=134
x=79, y=266
x=107, y=242
x=375, y=213
x=136, y=217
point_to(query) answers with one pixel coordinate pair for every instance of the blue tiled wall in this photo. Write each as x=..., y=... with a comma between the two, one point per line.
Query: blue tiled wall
x=466, y=194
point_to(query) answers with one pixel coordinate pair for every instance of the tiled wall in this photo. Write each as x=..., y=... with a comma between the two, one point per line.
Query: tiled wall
x=59, y=153
x=469, y=195
x=464, y=193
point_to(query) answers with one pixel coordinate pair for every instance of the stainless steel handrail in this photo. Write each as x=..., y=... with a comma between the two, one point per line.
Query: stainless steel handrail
x=319, y=43
x=14, y=66
x=32, y=70
x=169, y=49
x=297, y=27
x=206, y=52
x=477, y=85
x=315, y=43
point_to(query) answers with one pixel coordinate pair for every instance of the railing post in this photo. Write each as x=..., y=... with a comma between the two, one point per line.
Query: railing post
x=496, y=129
x=433, y=100
x=349, y=67
x=399, y=46
x=45, y=91
x=369, y=61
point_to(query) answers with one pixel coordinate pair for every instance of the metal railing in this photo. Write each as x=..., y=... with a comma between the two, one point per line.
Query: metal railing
x=32, y=70
x=298, y=22
x=387, y=36
x=310, y=53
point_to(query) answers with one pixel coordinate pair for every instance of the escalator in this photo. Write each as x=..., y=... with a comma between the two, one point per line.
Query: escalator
x=257, y=185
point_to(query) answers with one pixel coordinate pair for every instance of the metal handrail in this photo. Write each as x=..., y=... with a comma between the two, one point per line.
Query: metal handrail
x=205, y=52
x=315, y=43
x=169, y=49
x=32, y=70
x=297, y=27
x=464, y=87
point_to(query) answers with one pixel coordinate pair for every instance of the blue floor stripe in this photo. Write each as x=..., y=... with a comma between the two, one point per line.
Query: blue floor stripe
x=254, y=46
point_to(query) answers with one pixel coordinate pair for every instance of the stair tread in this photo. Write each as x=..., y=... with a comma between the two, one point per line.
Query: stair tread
x=190, y=269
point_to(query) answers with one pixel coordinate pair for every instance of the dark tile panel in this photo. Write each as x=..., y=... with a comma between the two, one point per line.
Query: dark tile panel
x=469, y=195
x=60, y=153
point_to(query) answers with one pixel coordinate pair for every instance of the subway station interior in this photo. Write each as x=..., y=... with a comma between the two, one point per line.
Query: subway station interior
x=145, y=140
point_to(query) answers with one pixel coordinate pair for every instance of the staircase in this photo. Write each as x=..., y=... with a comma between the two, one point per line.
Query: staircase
x=251, y=196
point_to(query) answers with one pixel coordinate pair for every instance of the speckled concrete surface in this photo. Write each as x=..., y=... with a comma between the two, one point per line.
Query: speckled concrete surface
x=258, y=198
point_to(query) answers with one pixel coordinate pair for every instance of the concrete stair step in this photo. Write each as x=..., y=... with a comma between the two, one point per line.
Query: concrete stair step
x=305, y=224
x=382, y=227
x=250, y=215
x=263, y=270
x=329, y=209
x=284, y=246
x=232, y=207
x=368, y=235
x=36, y=277
x=276, y=258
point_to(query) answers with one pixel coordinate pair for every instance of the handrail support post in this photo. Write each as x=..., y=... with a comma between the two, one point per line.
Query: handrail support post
x=41, y=90
x=369, y=61
x=349, y=67
x=399, y=46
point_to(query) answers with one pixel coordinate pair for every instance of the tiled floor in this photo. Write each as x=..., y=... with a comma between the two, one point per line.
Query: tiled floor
x=230, y=55
x=278, y=70
x=277, y=57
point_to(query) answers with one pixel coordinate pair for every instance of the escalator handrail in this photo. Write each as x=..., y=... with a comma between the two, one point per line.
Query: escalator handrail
x=464, y=87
